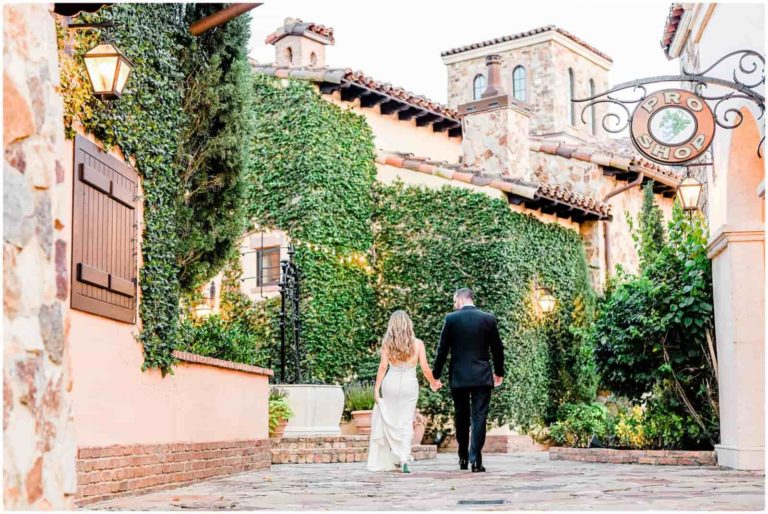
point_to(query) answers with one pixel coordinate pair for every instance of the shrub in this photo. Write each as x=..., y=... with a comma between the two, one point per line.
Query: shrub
x=578, y=423
x=214, y=337
x=279, y=409
x=654, y=333
x=359, y=396
x=630, y=428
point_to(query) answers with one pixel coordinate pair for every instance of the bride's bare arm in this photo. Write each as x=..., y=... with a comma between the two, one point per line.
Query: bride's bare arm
x=380, y=374
x=424, y=364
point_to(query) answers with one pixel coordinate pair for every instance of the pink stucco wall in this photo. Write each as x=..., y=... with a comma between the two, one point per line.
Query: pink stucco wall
x=116, y=403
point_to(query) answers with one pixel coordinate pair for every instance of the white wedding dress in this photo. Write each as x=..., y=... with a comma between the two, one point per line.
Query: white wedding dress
x=392, y=420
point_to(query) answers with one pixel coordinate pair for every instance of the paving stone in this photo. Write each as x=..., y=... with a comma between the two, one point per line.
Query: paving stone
x=522, y=481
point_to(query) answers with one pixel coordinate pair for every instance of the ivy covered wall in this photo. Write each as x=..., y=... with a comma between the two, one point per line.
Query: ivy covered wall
x=181, y=120
x=313, y=172
x=431, y=242
x=365, y=249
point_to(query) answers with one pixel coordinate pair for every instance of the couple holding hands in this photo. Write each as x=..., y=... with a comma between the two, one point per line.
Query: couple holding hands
x=471, y=337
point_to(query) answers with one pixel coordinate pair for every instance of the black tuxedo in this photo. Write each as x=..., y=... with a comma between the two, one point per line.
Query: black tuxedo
x=471, y=336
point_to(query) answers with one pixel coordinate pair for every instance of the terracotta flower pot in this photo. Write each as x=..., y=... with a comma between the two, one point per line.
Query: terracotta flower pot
x=279, y=429
x=362, y=421
x=419, y=426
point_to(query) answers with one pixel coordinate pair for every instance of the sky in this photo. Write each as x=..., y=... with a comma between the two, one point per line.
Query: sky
x=400, y=41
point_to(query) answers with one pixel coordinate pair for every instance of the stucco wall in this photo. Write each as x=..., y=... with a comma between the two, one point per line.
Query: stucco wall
x=116, y=403
x=395, y=135
x=38, y=432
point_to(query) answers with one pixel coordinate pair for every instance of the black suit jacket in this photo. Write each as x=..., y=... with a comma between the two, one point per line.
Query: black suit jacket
x=471, y=336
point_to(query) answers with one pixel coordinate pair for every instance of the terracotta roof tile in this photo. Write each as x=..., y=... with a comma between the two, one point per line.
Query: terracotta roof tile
x=527, y=194
x=613, y=153
x=521, y=35
x=670, y=27
x=346, y=75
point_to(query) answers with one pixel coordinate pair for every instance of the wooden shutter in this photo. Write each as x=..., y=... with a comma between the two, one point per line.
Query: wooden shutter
x=104, y=248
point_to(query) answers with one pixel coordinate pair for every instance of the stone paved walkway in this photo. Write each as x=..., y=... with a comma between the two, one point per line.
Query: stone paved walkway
x=520, y=481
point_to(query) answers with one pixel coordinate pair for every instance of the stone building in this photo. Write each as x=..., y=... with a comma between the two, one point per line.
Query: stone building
x=699, y=35
x=520, y=141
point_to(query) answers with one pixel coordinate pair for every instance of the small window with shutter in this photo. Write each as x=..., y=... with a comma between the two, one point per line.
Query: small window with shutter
x=104, y=248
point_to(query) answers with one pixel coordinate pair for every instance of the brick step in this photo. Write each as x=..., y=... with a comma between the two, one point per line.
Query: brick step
x=502, y=444
x=327, y=450
x=320, y=442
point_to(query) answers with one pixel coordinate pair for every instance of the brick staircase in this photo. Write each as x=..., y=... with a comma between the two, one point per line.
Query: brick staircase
x=332, y=449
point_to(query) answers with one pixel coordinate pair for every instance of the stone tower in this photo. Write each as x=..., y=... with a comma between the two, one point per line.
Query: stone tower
x=543, y=68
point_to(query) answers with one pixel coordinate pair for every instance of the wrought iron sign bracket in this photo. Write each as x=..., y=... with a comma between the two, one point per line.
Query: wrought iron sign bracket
x=684, y=132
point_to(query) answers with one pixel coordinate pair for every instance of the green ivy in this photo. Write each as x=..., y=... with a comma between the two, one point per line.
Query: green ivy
x=151, y=123
x=313, y=170
x=431, y=242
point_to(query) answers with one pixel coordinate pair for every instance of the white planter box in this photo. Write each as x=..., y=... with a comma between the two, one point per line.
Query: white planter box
x=317, y=409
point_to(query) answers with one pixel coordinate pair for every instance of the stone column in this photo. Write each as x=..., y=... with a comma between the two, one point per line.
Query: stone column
x=38, y=433
x=738, y=273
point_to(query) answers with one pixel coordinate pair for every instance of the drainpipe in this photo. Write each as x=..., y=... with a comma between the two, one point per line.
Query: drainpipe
x=220, y=17
x=607, y=243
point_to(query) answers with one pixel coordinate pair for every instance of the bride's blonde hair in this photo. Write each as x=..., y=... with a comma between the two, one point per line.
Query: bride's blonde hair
x=399, y=341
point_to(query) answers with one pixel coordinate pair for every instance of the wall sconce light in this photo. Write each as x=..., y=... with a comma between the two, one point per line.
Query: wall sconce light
x=108, y=70
x=544, y=298
x=689, y=193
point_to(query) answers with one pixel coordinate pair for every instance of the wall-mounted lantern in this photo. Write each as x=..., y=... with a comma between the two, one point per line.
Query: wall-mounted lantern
x=108, y=70
x=689, y=193
x=547, y=301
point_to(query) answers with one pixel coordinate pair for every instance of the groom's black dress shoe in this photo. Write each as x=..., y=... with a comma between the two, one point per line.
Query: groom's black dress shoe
x=463, y=464
x=477, y=468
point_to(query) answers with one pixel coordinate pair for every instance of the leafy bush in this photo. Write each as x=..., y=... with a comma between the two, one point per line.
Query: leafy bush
x=359, y=396
x=279, y=409
x=654, y=333
x=630, y=428
x=578, y=423
x=214, y=337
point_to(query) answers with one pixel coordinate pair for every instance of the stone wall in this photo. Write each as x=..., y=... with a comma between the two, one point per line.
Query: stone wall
x=588, y=178
x=546, y=65
x=39, y=443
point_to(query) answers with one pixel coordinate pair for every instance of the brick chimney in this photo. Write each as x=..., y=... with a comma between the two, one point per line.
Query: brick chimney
x=497, y=129
x=300, y=45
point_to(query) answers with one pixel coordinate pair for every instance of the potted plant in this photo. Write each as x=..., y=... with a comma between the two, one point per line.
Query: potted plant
x=419, y=426
x=279, y=413
x=359, y=401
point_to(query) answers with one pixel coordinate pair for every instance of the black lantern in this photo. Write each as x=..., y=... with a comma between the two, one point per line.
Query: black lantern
x=689, y=193
x=108, y=70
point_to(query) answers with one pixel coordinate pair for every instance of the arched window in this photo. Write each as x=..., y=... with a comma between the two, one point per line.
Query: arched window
x=478, y=86
x=313, y=59
x=289, y=54
x=519, y=90
x=593, y=113
x=571, y=94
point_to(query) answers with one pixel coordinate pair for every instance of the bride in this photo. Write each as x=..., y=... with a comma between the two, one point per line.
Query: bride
x=396, y=395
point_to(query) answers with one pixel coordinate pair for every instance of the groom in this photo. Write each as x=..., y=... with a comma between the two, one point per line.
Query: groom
x=470, y=336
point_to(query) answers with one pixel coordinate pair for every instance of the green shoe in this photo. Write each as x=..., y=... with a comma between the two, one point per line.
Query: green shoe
x=406, y=469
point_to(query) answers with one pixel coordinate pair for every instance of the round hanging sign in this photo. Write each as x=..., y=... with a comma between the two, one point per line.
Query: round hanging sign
x=672, y=126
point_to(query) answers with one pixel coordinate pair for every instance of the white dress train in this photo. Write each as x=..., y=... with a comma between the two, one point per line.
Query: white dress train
x=392, y=419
